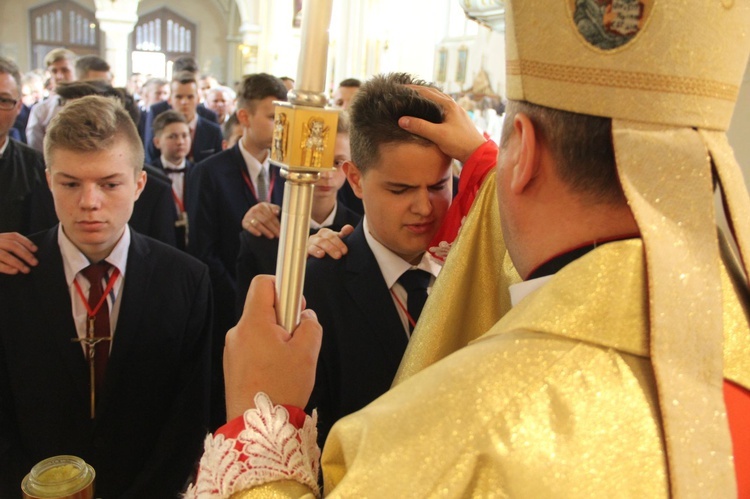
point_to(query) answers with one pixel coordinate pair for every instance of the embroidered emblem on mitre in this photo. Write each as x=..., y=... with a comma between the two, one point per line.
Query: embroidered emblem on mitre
x=608, y=24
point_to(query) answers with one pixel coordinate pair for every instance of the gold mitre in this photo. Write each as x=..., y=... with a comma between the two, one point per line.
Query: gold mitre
x=668, y=73
x=675, y=62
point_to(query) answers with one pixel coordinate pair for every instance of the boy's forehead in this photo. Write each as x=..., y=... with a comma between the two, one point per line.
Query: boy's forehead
x=117, y=157
x=177, y=126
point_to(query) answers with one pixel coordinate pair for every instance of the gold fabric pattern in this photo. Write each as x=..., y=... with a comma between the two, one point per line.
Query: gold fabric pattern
x=547, y=404
x=625, y=79
x=682, y=256
x=468, y=286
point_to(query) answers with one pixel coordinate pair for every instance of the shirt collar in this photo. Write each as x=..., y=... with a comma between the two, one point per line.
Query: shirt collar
x=391, y=265
x=328, y=221
x=74, y=261
x=194, y=122
x=5, y=146
x=520, y=290
x=169, y=164
x=253, y=165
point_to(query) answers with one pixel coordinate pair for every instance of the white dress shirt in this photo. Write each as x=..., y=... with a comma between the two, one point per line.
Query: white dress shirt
x=74, y=262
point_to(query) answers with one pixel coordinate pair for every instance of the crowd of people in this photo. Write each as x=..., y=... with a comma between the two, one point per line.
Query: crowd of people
x=136, y=226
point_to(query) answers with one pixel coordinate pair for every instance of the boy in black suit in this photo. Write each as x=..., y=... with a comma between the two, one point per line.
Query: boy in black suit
x=370, y=299
x=221, y=191
x=172, y=138
x=259, y=242
x=205, y=133
x=137, y=408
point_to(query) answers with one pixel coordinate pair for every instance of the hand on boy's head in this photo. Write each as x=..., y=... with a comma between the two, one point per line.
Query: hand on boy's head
x=259, y=355
x=262, y=219
x=456, y=136
x=328, y=242
x=16, y=253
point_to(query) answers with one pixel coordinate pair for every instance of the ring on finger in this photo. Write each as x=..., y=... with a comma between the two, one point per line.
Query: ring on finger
x=253, y=222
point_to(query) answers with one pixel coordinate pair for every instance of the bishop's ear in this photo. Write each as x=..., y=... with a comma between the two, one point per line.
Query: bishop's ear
x=527, y=163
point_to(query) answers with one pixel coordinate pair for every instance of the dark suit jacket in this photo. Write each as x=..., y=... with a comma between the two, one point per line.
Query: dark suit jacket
x=258, y=253
x=153, y=212
x=21, y=174
x=363, y=337
x=179, y=230
x=21, y=121
x=205, y=143
x=217, y=199
x=152, y=413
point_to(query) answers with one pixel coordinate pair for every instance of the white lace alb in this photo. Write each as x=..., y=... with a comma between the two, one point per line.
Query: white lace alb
x=269, y=449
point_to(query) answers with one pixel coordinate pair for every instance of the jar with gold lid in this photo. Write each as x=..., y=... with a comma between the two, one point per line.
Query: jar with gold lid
x=59, y=477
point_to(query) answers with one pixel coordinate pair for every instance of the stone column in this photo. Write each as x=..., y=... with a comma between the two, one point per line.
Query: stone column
x=116, y=21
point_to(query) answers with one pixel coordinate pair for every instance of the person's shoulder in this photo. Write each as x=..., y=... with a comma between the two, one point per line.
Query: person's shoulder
x=208, y=124
x=28, y=153
x=166, y=257
x=220, y=161
x=156, y=174
x=320, y=271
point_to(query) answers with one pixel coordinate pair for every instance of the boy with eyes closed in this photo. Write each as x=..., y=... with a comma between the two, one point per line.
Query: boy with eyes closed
x=369, y=300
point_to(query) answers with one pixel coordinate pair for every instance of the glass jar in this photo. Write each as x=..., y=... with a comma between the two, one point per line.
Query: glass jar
x=59, y=477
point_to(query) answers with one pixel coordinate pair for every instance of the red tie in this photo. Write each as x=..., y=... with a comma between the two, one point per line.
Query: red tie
x=95, y=273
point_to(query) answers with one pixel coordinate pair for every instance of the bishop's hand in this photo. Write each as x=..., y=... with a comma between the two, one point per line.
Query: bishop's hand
x=260, y=356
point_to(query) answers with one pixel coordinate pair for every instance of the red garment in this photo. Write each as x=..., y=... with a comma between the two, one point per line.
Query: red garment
x=474, y=170
x=737, y=400
x=233, y=428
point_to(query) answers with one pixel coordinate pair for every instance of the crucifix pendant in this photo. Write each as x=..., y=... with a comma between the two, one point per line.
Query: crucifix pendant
x=90, y=342
x=182, y=221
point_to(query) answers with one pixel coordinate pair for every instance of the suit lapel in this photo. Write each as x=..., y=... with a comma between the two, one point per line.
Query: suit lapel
x=244, y=176
x=54, y=309
x=366, y=286
x=277, y=182
x=136, y=286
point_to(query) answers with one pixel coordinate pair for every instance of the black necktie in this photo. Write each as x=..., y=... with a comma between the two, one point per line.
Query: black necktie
x=415, y=282
x=174, y=170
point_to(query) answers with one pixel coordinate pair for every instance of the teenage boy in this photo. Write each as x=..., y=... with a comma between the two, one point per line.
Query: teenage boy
x=172, y=138
x=259, y=242
x=205, y=134
x=93, y=365
x=221, y=191
x=369, y=300
x=60, y=66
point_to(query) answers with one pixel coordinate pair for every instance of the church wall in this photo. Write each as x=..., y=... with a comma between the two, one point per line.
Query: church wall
x=211, y=27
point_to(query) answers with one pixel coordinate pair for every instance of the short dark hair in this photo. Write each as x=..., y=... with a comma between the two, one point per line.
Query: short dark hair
x=76, y=89
x=350, y=82
x=581, y=146
x=374, y=114
x=286, y=78
x=87, y=63
x=185, y=63
x=184, y=77
x=11, y=68
x=165, y=119
x=258, y=86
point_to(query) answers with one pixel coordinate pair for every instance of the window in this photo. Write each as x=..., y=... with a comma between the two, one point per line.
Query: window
x=62, y=23
x=159, y=38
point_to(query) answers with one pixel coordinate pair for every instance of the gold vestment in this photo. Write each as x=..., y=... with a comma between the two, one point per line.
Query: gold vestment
x=556, y=400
